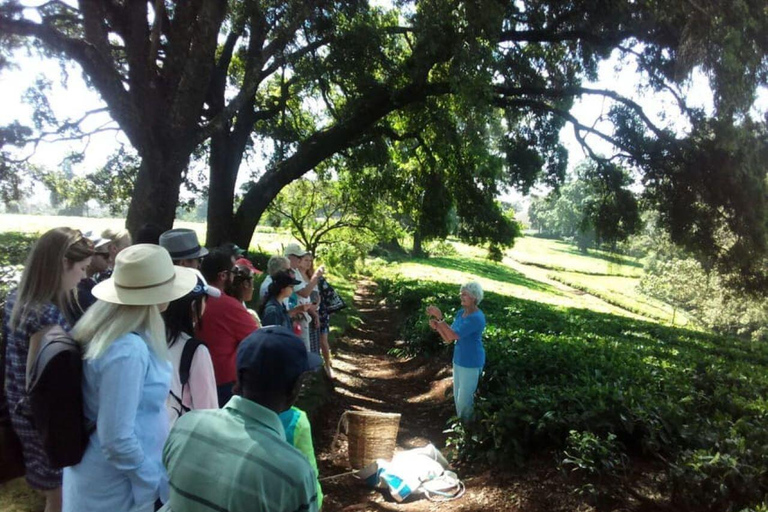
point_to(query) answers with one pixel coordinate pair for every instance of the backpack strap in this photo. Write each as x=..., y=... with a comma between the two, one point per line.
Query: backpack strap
x=186, y=360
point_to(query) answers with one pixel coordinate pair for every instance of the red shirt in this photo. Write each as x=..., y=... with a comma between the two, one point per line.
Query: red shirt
x=224, y=325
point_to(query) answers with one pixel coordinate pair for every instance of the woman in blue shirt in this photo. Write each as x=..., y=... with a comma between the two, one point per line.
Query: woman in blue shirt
x=469, y=354
x=126, y=380
x=273, y=310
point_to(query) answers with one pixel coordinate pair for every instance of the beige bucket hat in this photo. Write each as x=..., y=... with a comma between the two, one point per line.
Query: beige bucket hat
x=145, y=275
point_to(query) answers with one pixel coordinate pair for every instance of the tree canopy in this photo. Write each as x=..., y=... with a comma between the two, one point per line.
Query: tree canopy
x=596, y=206
x=486, y=85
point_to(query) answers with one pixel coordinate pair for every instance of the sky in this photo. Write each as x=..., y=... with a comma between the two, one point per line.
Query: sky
x=76, y=98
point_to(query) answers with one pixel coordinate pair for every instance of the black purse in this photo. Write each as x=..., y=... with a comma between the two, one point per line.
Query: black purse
x=11, y=457
x=332, y=301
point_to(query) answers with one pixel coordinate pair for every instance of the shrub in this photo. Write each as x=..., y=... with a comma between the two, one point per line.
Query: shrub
x=495, y=253
x=440, y=248
x=341, y=257
x=597, y=462
x=16, y=247
x=728, y=473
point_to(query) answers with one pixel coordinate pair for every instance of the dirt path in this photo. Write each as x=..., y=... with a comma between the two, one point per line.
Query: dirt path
x=367, y=378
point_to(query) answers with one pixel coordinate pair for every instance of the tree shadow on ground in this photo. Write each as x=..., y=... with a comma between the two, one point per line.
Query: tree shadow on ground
x=488, y=270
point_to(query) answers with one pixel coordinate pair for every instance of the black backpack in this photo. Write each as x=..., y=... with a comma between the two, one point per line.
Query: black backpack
x=55, y=396
x=187, y=353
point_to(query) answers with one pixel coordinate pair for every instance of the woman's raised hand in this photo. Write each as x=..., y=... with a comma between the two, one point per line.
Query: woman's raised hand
x=435, y=312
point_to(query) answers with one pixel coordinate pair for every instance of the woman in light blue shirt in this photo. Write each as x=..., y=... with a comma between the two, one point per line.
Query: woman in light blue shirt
x=126, y=379
x=469, y=354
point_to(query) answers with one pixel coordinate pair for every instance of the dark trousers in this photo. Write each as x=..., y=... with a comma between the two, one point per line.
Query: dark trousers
x=225, y=393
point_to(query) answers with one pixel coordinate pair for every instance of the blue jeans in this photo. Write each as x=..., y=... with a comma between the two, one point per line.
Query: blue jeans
x=464, y=387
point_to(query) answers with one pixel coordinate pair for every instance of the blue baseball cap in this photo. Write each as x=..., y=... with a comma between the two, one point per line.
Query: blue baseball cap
x=276, y=357
x=202, y=288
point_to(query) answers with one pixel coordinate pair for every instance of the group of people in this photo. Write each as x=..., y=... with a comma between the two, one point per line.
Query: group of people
x=168, y=339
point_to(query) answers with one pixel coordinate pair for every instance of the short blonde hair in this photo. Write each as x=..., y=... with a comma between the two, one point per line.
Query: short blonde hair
x=474, y=289
x=120, y=239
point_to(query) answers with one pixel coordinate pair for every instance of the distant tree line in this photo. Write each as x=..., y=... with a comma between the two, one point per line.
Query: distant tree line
x=595, y=207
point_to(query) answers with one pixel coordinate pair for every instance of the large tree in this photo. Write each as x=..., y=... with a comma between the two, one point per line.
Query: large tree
x=318, y=78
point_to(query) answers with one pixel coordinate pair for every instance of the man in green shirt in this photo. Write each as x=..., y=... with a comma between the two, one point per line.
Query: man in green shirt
x=237, y=458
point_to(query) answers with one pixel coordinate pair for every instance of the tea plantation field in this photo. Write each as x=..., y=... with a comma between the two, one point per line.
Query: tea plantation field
x=608, y=391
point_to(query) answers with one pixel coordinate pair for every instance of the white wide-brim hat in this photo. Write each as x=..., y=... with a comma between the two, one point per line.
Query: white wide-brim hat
x=144, y=275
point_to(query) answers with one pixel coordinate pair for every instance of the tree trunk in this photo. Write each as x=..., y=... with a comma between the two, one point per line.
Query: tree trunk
x=227, y=149
x=418, y=251
x=221, y=193
x=156, y=192
x=258, y=198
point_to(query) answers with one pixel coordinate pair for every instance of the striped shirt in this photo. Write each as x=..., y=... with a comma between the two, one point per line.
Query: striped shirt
x=236, y=459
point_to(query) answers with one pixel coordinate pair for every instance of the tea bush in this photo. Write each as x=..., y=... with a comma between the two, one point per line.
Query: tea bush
x=597, y=462
x=693, y=400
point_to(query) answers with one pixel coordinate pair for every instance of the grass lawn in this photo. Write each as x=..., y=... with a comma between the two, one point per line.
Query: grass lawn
x=557, y=255
x=263, y=240
x=16, y=496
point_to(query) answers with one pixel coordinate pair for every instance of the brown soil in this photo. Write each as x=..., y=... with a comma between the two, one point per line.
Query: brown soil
x=368, y=378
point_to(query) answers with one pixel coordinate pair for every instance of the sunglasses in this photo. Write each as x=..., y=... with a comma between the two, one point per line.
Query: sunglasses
x=80, y=240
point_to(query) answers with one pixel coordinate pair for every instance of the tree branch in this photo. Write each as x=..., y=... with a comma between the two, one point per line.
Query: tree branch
x=507, y=91
x=554, y=36
x=543, y=106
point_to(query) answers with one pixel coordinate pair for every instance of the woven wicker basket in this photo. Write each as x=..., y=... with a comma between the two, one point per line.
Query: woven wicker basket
x=371, y=436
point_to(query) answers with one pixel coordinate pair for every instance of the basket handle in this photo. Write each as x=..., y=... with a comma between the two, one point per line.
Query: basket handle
x=343, y=423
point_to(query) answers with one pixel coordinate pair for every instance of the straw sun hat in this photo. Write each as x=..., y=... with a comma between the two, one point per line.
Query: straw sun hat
x=145, y=275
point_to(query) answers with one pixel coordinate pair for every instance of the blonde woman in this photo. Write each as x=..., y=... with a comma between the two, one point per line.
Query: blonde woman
x=56, y=264
x=118, y=241
x=126, y=380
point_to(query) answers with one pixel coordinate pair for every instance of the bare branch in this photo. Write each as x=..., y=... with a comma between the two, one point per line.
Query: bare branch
x=277, y=62
x=698, y=7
